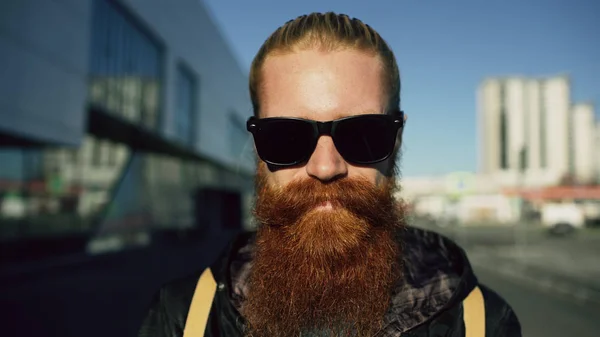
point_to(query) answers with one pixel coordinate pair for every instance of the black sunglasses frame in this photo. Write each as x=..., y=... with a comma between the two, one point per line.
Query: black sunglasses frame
x=253, y=125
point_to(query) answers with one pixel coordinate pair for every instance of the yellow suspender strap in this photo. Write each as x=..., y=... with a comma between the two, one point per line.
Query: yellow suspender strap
x=474, y=314
x=197, y=317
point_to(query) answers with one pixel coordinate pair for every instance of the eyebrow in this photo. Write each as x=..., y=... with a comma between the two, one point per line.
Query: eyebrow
x=344, y=115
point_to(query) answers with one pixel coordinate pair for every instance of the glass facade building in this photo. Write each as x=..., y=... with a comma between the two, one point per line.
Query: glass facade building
x=154, y=151
x=125, y=67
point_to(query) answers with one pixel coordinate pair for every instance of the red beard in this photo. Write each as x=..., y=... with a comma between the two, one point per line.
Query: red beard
x=329, y=271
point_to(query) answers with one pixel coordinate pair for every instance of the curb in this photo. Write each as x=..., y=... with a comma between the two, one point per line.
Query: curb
x=546, y=281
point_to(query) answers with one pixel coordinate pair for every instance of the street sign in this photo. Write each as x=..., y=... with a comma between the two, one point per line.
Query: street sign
x=460, y=183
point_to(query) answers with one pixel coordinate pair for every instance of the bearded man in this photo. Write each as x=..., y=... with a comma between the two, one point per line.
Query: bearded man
x=332, y=254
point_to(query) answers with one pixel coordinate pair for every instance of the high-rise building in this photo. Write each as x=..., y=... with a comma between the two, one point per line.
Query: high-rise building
x=524, y=124
x=491, y=127
x=556, y=126
x=584, y=139
x=597, y=151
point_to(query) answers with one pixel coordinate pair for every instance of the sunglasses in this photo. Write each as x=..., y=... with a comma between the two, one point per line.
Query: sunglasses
x=360, y=140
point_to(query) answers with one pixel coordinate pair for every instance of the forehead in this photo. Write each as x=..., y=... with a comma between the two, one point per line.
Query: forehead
x=321, y=85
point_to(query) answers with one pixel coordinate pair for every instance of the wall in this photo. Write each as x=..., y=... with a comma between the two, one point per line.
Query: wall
x=515, y=109
x=194, y=39
x=489, y=128
x=534, y=133
x=584, y=131
x=44, y=60
x=557, y=102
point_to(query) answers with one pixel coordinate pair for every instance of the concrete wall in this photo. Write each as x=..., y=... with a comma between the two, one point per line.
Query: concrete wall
x=584, y=132
x=557, y=105
x=597, y=150
x=489, y=126
x=515, y=109
x=534, y=144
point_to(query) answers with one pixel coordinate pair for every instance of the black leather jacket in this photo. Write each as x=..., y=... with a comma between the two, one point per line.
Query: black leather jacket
x=427, y=302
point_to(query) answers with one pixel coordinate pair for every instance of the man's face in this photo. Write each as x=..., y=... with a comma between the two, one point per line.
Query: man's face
x=326, y=256
x=323, y=86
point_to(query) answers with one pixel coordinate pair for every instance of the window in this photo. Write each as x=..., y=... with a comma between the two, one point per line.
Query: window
x=523, y=162
x=112, y=154
x=74, y=156
x=185, y=106
x=124, y=66
x=55, y=190
x=96, y=152
x=237, y=135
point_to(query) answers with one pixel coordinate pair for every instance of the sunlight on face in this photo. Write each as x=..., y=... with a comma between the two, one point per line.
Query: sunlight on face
x=323, y=86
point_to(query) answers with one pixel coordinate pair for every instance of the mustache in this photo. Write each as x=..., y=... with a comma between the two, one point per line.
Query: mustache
x=286, y=205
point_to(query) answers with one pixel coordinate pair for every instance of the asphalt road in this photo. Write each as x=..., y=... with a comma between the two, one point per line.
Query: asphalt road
x=542, y=313
x=569, y=265
x=498, y=236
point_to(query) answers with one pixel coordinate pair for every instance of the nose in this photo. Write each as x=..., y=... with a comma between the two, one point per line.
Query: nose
x=326, y=163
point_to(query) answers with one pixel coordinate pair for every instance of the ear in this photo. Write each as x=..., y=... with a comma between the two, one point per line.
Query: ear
x=400, y=135
x=391, y=170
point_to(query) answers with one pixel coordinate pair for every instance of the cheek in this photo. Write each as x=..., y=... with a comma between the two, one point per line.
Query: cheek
x=283, y=177
x=277, y=178
x=371, y=174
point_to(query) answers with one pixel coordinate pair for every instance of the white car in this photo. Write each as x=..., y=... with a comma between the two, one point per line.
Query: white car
x=562, y=218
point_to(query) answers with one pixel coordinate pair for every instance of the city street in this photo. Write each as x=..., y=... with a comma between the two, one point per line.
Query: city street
x=552, y=283
x=542, y=313
x=571, y=259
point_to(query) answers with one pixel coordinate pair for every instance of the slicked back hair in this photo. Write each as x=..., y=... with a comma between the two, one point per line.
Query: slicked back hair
x=327, y=32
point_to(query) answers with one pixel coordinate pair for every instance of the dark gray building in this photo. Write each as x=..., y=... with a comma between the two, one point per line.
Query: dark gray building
x=119, y=118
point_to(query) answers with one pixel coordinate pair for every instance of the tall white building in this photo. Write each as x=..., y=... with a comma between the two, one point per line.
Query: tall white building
x=584, y=143
x=556, y=126
x=488, y=133
x=525, y=131
x=597, y=151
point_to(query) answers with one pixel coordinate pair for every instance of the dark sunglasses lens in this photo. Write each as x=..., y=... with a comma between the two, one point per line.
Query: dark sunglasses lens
x=365, y=140
x=284, y=142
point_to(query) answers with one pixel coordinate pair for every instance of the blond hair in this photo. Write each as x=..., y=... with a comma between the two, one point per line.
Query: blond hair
x=327, y=32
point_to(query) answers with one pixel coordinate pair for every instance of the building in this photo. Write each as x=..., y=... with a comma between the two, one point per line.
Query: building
x=529, y=132
x=532, y=142
x=597, y=151
x=119, y=117
x=584, y=147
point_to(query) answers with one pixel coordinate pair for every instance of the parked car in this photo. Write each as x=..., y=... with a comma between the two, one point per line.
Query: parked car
x=562, y=218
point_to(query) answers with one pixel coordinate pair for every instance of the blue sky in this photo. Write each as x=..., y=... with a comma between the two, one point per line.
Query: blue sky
x=444, y=49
